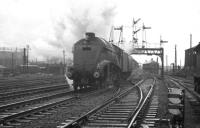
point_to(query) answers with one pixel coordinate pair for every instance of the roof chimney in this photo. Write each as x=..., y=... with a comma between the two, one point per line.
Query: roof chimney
x=89, y=35
x=190, y=40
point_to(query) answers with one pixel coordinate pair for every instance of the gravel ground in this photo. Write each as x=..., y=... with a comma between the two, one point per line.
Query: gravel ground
x=146, y=86
x=162, y=92
x=192, y=110
x=73, y=109
x=27, y=76
x=191, y=121
x=32, y=96
x=30, y=84
x=34, y=86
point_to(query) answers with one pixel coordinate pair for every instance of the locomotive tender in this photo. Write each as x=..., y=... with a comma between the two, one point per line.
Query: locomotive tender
x=98, y=63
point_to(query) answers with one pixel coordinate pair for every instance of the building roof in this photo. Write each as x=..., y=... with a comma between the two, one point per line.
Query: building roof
x=197, y=48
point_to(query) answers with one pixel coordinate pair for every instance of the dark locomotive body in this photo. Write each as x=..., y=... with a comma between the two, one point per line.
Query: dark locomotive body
x=98, y=63
x=192, y=65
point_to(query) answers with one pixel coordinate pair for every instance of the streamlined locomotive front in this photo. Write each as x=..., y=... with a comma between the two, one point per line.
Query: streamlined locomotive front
x=98, y=63
x=86, y=52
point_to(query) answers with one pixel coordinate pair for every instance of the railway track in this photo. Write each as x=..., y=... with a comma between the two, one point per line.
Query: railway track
x=188, y=81
x=33, y=91
x=3, y=82
x=188, y=86
x=147, y=111
x=117, y=112
x=190, y=93
x=22, y=108
x=27, y=78
x=192, y=100
x=18, y=85
x=16, y=113
x=120, y=111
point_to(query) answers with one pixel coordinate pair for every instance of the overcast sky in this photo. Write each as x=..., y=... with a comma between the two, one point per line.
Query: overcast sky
x=49, y=26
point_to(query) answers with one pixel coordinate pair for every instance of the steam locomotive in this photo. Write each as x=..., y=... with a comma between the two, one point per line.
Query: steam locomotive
x=98, y=63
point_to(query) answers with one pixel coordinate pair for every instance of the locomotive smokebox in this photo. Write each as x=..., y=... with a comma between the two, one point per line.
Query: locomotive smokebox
x=89, y=35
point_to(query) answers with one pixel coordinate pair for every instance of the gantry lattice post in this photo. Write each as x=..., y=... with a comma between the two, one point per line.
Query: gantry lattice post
x=151, y=51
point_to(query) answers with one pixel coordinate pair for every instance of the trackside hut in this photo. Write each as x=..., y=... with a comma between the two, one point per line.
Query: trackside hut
x=192, y=58
x=197, y=51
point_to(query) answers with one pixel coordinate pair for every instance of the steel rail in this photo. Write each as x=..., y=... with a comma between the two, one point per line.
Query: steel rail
x=20, y=103
x=21, y=81
x=5, y=81
x=139, y=103
x=85, y=117
x=14, y=94
x=33, y=110
x=182, y=79
x=189, y=90
x=10, y=84
x=147, y=98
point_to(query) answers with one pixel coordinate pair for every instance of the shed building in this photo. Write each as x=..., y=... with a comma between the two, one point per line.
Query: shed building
x=192, y=58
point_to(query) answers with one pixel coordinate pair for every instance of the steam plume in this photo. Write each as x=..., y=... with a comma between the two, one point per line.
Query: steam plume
x=49, y=26
x=80, y=20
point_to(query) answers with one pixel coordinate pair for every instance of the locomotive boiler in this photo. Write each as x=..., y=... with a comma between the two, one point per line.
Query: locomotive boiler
x=98, y=63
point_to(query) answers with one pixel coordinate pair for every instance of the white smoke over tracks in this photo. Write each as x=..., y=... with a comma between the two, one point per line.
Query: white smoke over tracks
x=49, y=26
x=82, y=18
x=92, y=20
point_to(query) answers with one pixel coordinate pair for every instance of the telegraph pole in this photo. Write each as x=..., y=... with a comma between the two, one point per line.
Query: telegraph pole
x=27, y=47
x=162, y=41
x=144, y=34
x=134, y=32
x=190, y=40
x=166, y=63
x=175, y=58
x=63, y=61
x=121, y=34
x=24, y=60
x=111, y=38
x=162, y=59
x=12, y=62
